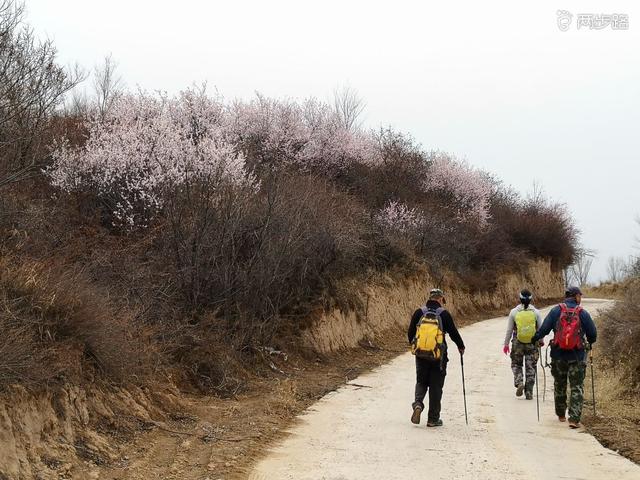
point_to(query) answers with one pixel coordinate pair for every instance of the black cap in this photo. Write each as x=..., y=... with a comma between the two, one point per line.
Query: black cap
x=572, y=292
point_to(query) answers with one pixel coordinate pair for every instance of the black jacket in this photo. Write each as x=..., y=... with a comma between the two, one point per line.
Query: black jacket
x=448, y=326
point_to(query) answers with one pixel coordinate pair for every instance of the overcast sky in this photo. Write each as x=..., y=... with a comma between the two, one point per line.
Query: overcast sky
x=495, y=83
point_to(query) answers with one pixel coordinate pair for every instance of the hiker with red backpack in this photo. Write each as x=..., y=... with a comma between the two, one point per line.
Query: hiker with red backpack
x=523, y=322
x=574, y=333
x=427, y=331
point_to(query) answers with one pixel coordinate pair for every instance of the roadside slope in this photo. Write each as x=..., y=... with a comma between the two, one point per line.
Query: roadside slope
x=363, y=431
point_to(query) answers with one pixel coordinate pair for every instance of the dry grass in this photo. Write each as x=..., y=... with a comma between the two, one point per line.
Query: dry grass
x=60, y=329
x=620, y=337
x=606, y=290
x=617, y=423
x=617, y=376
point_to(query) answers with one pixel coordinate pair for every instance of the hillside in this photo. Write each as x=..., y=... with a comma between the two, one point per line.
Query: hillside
x=166, y=260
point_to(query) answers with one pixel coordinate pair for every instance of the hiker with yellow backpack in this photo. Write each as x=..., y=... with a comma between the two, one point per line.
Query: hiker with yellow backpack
x=524, y=321
x=427, y=331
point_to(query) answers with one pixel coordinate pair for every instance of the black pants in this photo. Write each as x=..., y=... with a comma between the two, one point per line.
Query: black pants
x=430, y=377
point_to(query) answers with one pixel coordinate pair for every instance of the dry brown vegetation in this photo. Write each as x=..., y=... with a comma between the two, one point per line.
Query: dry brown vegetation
x=58, y=324
x=617, y=362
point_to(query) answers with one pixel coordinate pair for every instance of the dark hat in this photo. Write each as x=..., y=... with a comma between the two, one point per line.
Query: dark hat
x=572, y=292
x=526, y=295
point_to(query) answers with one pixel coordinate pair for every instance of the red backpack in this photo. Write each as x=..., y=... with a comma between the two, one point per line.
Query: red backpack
x=568, y=331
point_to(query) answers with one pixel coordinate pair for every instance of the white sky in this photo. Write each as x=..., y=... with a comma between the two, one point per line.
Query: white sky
x=497, y=84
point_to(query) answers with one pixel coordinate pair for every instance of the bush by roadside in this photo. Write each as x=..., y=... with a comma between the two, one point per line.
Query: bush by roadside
x=617, y=365
x=620, y=337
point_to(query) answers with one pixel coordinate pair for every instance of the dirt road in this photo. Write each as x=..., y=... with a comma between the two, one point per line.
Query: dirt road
x=363, y=431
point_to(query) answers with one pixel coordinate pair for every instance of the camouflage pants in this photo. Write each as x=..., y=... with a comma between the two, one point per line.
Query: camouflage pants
x=574, y=372
x=528, y=353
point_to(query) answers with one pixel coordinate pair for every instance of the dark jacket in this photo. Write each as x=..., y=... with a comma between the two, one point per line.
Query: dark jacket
x=586, y=323
x=448, y=326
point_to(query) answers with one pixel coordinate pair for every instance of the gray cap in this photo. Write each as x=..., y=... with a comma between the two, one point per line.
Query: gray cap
x=436, y=293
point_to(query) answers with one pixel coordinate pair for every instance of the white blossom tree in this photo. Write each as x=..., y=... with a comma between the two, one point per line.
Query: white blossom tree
x=397, y=217
x=145, y=145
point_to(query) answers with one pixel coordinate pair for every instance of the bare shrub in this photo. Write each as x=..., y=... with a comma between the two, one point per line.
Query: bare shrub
x=348, y=106
x=620, y=335
x=398, y=175
x=578, y=271
x=61, y=326
x=107, y=86
x=32, y=85
x=259, y=257
x=617, y=269
x=537, y=226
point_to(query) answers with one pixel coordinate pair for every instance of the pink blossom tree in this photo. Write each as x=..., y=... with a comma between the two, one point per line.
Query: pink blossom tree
x=469, y=189
x=146, y=145
x=310, y=135
x=399, y=218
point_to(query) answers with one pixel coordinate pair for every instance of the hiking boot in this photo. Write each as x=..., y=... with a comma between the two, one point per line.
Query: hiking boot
x=519, y=390
x=574, y=424
x=434, y=423
x=529, y=396
x=562, y=418
x=415, y=418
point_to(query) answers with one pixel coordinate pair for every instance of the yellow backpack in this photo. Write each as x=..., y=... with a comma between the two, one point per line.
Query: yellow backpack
x=429, y=340
x=525, y=325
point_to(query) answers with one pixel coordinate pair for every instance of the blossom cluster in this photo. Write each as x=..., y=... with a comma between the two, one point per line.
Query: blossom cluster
x=149, y=143
x=469, y=188
x=309, y=135
x=146, y=144
x=396, y=216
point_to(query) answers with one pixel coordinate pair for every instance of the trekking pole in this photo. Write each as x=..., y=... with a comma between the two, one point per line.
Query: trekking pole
x=537, y=394
x=464, y=392
x=544, y=375
x=593, y=387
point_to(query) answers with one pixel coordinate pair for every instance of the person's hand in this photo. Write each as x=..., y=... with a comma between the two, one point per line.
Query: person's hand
x=541, y=343
x=505, y=349
x=461, y=350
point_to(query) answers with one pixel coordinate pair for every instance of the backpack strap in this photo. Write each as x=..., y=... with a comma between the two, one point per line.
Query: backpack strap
x=437, y=312
x=577, y=312
x=574, y=311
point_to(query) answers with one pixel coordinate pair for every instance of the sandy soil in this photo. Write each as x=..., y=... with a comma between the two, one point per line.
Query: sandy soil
x=362, y=431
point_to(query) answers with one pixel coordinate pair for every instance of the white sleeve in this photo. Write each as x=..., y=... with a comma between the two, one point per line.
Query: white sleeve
x=538, y=319
x=510, y=326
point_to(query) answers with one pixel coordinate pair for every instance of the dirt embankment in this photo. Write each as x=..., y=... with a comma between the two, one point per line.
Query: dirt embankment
x=43, y=435
x=388, y=302
x=106, y=433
